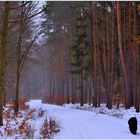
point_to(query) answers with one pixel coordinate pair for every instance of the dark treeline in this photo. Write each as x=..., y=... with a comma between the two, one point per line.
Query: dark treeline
x=94, y=52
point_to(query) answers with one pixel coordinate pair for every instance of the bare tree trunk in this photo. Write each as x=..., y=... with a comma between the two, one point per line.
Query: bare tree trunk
x=112, y=53
x=95, y=58
x=53, y=78
x=121, y=53
x=91, y=50
x=66, y=69
x=130, y=77
x=73, y=77
x=4, y=34
x=108, y=76
x=135, y=53
x=16, y=105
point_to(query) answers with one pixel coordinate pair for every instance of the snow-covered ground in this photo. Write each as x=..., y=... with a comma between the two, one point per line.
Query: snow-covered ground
x=85, y=122
x=31, y=123
x=79, y=124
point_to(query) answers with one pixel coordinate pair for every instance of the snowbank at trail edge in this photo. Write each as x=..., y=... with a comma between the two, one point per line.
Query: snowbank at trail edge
x=79, y=124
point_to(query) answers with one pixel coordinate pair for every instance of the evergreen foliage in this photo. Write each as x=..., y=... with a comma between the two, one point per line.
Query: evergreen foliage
x=80, y=50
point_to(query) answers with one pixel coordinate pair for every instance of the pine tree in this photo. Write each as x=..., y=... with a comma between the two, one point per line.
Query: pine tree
x=79, y=64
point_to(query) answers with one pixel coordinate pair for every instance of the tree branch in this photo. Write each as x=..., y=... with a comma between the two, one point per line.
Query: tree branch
x=29, y=17
x=16, y=7
x=22, y=60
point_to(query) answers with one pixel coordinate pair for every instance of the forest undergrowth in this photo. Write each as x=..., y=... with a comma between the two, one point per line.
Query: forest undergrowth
x=28, y=123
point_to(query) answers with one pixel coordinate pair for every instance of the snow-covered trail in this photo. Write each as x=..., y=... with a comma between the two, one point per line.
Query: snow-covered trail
x=80, y=124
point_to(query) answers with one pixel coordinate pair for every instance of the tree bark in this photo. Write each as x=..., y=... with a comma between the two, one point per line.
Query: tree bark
x=121, y=54
x=108, y=76
x=95, y=58
x=4, y=35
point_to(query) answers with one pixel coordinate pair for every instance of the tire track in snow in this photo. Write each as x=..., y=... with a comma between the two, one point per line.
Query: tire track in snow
x=84, y=124
x=74, y=128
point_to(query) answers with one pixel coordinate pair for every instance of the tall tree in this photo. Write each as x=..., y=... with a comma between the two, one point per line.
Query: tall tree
x=3, y=47
x=123, y=64
x=79, y=51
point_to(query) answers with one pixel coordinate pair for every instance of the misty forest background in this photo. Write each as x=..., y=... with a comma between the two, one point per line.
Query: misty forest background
x=78, y=52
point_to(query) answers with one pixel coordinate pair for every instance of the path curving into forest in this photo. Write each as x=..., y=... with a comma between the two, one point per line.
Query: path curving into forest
x=80, y=124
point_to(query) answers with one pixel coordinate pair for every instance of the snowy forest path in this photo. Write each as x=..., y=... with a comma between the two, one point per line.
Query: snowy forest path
x=79, y=124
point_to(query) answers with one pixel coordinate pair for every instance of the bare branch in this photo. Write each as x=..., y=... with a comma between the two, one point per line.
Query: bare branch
x=29, y=17
x=16, y=7
x=22, y=60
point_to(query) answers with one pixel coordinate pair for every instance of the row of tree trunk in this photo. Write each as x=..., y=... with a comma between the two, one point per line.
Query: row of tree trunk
x=114, y=68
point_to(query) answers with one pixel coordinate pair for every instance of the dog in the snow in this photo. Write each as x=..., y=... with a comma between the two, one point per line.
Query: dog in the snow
x=132, y=122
